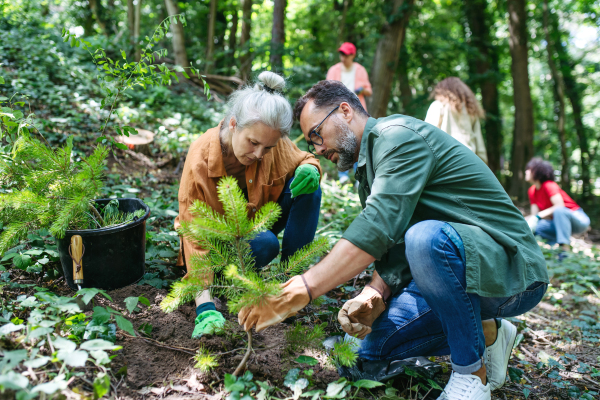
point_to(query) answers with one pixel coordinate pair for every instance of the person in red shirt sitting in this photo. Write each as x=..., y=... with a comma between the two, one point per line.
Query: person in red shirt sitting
x=554, y=215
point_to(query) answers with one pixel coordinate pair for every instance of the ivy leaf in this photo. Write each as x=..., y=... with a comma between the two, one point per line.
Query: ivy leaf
x=515, y=374
x=367, y=384
x=87, y=294
x=22, y=261
x=75, y=358
x=125, y=324
x=98, y=344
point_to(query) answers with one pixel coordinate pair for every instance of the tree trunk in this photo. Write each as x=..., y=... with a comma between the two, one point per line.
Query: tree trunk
x=130, y=20
x=178, y=39
x=343, y=22
x=522, y=148
x=233, y=30
x=245, y=55
x=405, y=90
x=136, y=30
x=278, y=35
x=210, y=44
x=485, y=73
x=573, y=91
x=559, y=101
x=386, y=56
x=100, y=14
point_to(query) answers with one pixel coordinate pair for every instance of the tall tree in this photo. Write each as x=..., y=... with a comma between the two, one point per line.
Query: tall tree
x=233, y=30
x=484, y=72
x=136, y=29
x=386, y=55
x=178, y=38
x=342, y=26
x=100, y=13
x=573, y=90
x=130, y=20
x=559, y=98
x=405, y=89
x=245, y=54
x=210, y=45
x=278, y=35
x=522, y=148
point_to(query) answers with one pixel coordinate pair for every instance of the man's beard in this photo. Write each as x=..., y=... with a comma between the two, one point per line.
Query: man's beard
x=346, y=145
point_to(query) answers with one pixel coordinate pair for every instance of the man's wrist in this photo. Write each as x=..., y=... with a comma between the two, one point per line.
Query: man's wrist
x=379, y=284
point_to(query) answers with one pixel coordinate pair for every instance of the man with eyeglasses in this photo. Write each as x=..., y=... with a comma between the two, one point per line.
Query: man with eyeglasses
x=452, y=254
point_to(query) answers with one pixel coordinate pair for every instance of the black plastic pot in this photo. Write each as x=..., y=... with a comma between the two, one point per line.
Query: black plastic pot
x=114, y=257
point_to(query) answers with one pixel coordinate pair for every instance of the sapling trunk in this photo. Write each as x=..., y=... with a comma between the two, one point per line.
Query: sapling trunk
x=242, y=365
x=97, y=215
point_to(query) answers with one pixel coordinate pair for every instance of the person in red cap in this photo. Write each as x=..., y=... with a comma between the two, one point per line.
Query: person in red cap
x=353, y=75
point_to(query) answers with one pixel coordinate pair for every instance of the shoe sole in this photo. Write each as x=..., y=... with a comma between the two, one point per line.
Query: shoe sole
x=509, y=349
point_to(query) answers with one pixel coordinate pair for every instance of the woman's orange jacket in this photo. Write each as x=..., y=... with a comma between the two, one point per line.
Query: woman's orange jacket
x=204, y=168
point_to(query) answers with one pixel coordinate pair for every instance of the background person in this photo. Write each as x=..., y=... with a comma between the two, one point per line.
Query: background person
x=355, y=77
x=457, y=112
x=554, y=214
x=252, y=145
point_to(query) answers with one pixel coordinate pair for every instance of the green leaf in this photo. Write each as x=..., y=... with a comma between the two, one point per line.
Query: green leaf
x=125, y=324
x=87, y=294
x=123, y=55
x=434, y=384
x=101, y=385
x=13, y=380
x=291, y=377
x=515, y=374
x=101, y=315
x=98, y=344
x=144, y=301
x=1, y=80
x=121, y=146
x=131, y=303
x=22, y=261
x=307, y=360
x=75, y=358
x=526, y=392
x=367, y=384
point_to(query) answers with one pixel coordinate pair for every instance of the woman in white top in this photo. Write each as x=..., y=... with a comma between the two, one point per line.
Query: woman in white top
x=457, y=112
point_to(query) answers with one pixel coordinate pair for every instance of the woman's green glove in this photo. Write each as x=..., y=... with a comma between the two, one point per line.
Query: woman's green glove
x=306, y=180
x=207, y=323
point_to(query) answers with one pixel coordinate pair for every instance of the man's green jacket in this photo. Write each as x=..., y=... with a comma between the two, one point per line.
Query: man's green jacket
x=410, y=171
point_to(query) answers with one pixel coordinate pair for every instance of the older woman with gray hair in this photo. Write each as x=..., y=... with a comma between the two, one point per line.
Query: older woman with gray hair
x=251, y=144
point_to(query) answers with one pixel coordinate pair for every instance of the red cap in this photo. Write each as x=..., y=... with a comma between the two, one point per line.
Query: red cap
x=347, y=48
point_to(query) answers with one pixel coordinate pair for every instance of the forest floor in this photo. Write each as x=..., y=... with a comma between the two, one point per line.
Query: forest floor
x=557, y=354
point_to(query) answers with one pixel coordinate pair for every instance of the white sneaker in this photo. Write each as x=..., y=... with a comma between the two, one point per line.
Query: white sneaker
x=496, y=356
x=465, y=387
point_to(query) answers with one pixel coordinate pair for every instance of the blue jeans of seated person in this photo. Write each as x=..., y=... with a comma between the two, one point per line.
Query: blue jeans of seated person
x=564, y=222
x=299, y=217
x=434, y=315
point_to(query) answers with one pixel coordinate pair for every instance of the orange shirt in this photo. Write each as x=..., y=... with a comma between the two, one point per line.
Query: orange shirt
x=204, y=168
x=361, y=79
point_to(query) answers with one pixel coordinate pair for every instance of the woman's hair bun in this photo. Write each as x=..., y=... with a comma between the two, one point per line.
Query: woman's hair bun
x=271, y=80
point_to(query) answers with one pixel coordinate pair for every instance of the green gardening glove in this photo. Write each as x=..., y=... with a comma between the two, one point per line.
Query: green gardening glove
x=306, y=180
x=207, y=323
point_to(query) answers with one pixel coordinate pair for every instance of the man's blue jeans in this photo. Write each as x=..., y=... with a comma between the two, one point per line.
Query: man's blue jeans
x=564, y=222
x=299, y=217
x=434, y=315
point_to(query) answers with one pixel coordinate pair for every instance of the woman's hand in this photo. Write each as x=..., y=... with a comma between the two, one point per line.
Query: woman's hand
x=306, y=180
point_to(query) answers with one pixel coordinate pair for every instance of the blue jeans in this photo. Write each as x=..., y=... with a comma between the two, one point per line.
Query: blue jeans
x=299, y=217
x=434, y=315
x=564, y=222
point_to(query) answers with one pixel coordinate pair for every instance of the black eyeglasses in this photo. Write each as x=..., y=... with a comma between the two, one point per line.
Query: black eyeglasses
x=314, y=138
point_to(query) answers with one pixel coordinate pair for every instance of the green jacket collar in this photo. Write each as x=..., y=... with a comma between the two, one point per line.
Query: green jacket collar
x=362, y=155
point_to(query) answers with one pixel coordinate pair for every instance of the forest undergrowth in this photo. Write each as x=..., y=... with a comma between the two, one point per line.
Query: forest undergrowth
x=120, y=344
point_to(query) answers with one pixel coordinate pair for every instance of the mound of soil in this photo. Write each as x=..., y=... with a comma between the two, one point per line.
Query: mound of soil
x=165, y=358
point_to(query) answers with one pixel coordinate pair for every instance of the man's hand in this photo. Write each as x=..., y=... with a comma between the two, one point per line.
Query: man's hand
x=277, y=308
x=357, y=315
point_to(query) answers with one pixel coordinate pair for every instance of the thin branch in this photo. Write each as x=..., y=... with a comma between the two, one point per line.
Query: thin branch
x=97, y=214
x=159, y=344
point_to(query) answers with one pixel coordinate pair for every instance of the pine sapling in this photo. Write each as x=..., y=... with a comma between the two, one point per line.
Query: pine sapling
x=227, y=267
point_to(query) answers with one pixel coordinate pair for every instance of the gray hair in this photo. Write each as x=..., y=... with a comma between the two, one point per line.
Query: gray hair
x=261, y=102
